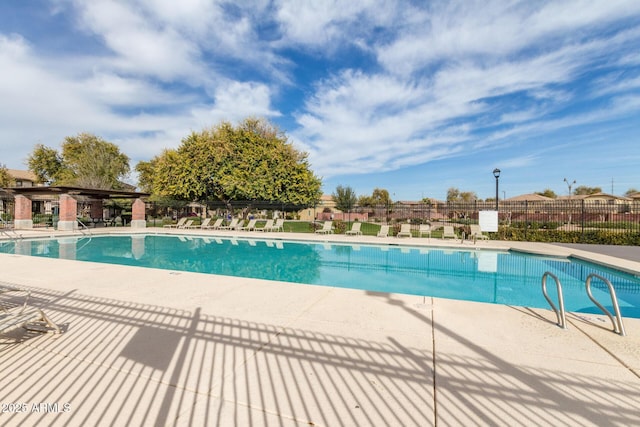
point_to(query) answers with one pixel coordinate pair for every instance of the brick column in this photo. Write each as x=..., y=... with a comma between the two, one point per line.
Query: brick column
x=23, y=219
x=68, y=213
x=138, y=214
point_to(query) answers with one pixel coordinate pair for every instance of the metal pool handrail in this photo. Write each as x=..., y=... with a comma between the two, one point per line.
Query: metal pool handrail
x=618, y=327
x=560, y=313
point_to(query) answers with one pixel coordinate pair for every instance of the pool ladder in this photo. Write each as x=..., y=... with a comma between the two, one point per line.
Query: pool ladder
x=618, y=326
x=83, y=228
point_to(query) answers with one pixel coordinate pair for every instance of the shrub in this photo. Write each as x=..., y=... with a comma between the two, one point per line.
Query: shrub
x=558, y=236
x=339, y=227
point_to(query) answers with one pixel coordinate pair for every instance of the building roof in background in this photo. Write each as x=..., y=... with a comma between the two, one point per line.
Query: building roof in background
x=594, y=196
x=528, y=197
x=23, y=175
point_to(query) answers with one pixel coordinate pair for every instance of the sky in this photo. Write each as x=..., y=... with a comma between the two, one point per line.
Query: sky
x=414, y=97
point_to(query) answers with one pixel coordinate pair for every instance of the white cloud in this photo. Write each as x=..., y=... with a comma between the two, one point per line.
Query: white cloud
x=235, y=101
x=450, y=77
x=321, y=24
x=451, y=80
x=141, y=46
x=486, y=30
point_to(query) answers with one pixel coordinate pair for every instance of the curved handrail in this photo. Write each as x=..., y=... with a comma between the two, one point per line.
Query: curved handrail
x=83, y=226
x=560, y=314
x=618, y=327
x=6, y=229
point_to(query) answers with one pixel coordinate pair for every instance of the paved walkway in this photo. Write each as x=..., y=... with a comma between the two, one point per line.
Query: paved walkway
x=155, y=347
x=631, y=253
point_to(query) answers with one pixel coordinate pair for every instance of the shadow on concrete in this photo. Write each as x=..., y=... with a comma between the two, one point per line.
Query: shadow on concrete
x=475, y=386
x=122, y=363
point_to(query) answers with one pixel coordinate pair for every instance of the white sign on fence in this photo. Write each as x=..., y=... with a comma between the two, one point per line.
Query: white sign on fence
x=488, y=221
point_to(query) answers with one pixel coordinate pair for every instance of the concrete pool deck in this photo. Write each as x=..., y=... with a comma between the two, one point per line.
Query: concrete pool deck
x=157, y=347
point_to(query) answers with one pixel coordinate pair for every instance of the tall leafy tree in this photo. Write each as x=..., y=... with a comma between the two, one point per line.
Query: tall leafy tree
x=5, y=178
x=455, y=195
x=252, y=161
x=547, y=193
x=379, y=197
x=583, y=190
x=46, y=163
x=90, y=161
x=86, y=161
x=145, y=174
x=344, y=198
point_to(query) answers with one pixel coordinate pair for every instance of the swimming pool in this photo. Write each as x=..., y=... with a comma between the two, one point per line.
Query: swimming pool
x=508, y=278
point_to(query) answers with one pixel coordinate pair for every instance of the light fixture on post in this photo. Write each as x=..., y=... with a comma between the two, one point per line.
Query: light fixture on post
x=496, y=173
x=569, y=184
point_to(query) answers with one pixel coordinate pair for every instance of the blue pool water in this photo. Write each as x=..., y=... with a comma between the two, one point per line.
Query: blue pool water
x=474, y=275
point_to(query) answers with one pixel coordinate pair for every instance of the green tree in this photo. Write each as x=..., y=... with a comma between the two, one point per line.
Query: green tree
x=631, y=191
x=547, y=193
x=86, y=161
x=252, y=161
x=365, y=201
x=90, y=161
x=46, y=163
x=583, y=190
x=379, y=197
x=344, y=198
x=468, y=196
x=145, y=174
x=455, y=195
x=5, y=179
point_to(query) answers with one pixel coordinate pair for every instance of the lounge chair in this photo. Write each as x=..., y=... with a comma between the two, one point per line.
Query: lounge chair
x=250, y=226
x=384, y=231
x=405, y=231
x=205, y=223
x=191, y=225
x=448, y=232
x=266, y=227
x=476, y=233
x=279, y=225
x=327, y=228
x=231, y=226
x=179, y=224
x=424, y=229
x=188, y=224
x=216, y=225
x=355, y=229
x=30, y=318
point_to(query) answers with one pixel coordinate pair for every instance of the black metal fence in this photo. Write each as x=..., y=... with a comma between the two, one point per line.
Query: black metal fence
x=560, y=220
x=570, y=214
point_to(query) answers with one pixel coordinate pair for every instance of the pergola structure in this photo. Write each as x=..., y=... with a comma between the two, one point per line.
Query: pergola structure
x=68, y=203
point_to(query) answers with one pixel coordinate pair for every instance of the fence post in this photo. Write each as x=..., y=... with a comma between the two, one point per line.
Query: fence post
x=582, y=221
x=526, y=223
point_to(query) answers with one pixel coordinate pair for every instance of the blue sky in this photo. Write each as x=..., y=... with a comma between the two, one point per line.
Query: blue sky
x=411, y=96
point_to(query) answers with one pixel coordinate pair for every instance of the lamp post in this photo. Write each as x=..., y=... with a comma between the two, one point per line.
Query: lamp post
x=496, y=173
x=569, y=184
